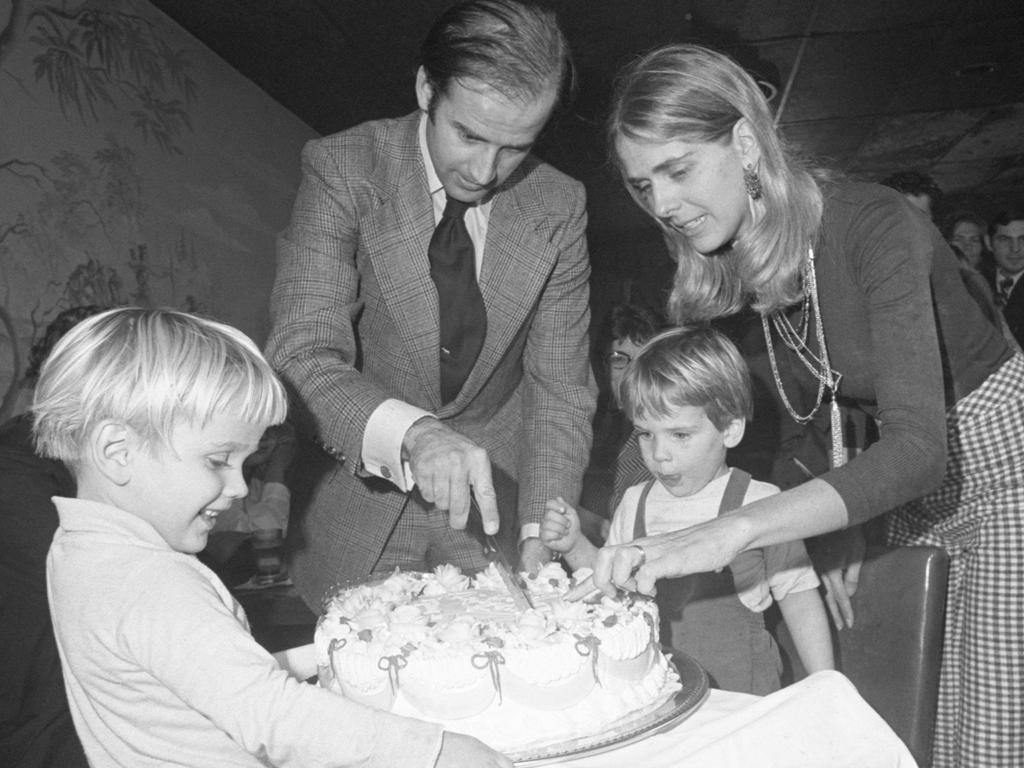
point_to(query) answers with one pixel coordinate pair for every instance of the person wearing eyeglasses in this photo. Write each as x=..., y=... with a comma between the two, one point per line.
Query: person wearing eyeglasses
x=626, y=328
x=631, y=327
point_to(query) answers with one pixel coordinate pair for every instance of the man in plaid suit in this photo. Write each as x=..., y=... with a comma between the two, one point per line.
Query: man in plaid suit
x=389, y=469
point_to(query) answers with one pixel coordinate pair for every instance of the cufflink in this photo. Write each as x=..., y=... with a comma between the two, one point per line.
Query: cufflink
x=385, y=473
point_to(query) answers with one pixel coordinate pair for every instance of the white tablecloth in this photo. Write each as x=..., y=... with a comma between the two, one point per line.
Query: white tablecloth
x=820, y=721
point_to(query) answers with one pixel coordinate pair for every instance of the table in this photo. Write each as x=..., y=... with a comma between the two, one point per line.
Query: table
x=820, y=721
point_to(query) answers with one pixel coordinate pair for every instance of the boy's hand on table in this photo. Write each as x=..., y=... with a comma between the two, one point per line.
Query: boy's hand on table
x=299, y=662
x=459, y=751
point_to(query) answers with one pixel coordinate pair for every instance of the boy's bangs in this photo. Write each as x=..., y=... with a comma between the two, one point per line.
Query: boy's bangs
x=655, y=396
x=223, y=379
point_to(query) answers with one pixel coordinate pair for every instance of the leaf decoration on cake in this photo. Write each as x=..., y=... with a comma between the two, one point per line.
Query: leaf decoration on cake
x=490, y=660
x=587, y=646
x=366, y=635
x=610, y=621
x=494, y=642
x=391, y=665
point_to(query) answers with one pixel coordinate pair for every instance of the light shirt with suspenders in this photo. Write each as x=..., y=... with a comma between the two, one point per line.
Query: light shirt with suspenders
x=703, y=616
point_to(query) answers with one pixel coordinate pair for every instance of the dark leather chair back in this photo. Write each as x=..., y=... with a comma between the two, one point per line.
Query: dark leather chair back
x=892, y=652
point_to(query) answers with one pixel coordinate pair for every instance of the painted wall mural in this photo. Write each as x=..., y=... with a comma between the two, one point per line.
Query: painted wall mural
x=132, y=171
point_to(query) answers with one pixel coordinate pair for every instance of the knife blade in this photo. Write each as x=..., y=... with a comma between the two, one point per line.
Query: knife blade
x=493, y=553
x=519, y=594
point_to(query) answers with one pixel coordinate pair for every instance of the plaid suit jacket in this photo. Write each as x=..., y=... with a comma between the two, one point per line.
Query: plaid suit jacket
x=355, y=321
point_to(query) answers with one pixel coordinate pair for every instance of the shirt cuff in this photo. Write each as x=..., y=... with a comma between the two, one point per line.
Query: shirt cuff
x=382, y=441
x=529, y=531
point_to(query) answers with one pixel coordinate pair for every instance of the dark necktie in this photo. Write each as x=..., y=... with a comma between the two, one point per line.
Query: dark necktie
x=1005, y=289
x=463, y=318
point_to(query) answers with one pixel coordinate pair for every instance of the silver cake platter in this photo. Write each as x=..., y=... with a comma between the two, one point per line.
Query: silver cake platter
x=633, y=728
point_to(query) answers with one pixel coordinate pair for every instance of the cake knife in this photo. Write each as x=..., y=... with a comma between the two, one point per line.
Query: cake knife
x=494, y=555
x=519, y=594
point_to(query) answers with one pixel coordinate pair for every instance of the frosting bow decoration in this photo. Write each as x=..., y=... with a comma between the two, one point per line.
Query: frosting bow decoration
x=587, y=646
x=336, y=643
x=391, y=665
x=491, y=660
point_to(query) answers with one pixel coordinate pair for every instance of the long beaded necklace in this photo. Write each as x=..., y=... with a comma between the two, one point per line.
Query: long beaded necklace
x=817, y=364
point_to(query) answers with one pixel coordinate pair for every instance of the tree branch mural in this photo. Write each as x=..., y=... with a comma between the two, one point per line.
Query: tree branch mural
x=76, y=223
x=92, y=55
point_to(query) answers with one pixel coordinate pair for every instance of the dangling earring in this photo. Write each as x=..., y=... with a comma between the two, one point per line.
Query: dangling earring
x=752, y=182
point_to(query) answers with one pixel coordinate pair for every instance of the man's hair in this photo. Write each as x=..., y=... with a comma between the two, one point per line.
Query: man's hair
x=913, y=183
x=515, y=47
x=1004, y=217
x=153, y=370
x=960, y=217
x=688, y=366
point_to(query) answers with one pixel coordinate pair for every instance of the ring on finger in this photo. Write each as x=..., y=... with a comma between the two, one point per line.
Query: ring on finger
x=643, y=557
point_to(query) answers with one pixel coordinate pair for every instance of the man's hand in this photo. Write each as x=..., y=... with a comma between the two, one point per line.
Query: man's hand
x=532, y=555
x=449, y=469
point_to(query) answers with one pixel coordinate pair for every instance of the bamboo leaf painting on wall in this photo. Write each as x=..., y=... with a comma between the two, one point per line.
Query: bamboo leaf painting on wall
x=99, y=93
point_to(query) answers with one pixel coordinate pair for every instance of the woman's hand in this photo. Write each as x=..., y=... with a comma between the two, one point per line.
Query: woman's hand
x=837, y=558
x=636, y=566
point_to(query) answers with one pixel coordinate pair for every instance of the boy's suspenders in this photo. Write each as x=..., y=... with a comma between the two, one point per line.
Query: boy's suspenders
x=732, y=498
x=703, y=615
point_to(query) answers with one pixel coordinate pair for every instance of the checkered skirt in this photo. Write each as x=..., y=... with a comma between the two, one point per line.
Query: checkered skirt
x=977, y=515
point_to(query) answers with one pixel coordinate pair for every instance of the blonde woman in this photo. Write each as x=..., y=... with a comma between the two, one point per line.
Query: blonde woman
x=862, y=291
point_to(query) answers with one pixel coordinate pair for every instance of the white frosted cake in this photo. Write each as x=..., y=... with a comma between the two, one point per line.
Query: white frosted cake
x=452, y=649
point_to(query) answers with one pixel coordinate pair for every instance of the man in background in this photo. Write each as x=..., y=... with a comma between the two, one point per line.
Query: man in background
x=416, y=397
x=1006, y=240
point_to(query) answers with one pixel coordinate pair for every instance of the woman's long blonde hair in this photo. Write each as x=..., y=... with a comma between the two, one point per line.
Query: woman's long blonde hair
x=691, y=93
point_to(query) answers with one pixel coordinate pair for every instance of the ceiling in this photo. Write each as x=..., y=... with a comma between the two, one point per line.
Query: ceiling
x=865, y=86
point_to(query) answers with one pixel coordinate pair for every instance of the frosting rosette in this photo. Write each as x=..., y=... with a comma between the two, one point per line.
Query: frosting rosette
x=552, y=579
x=446, y=578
